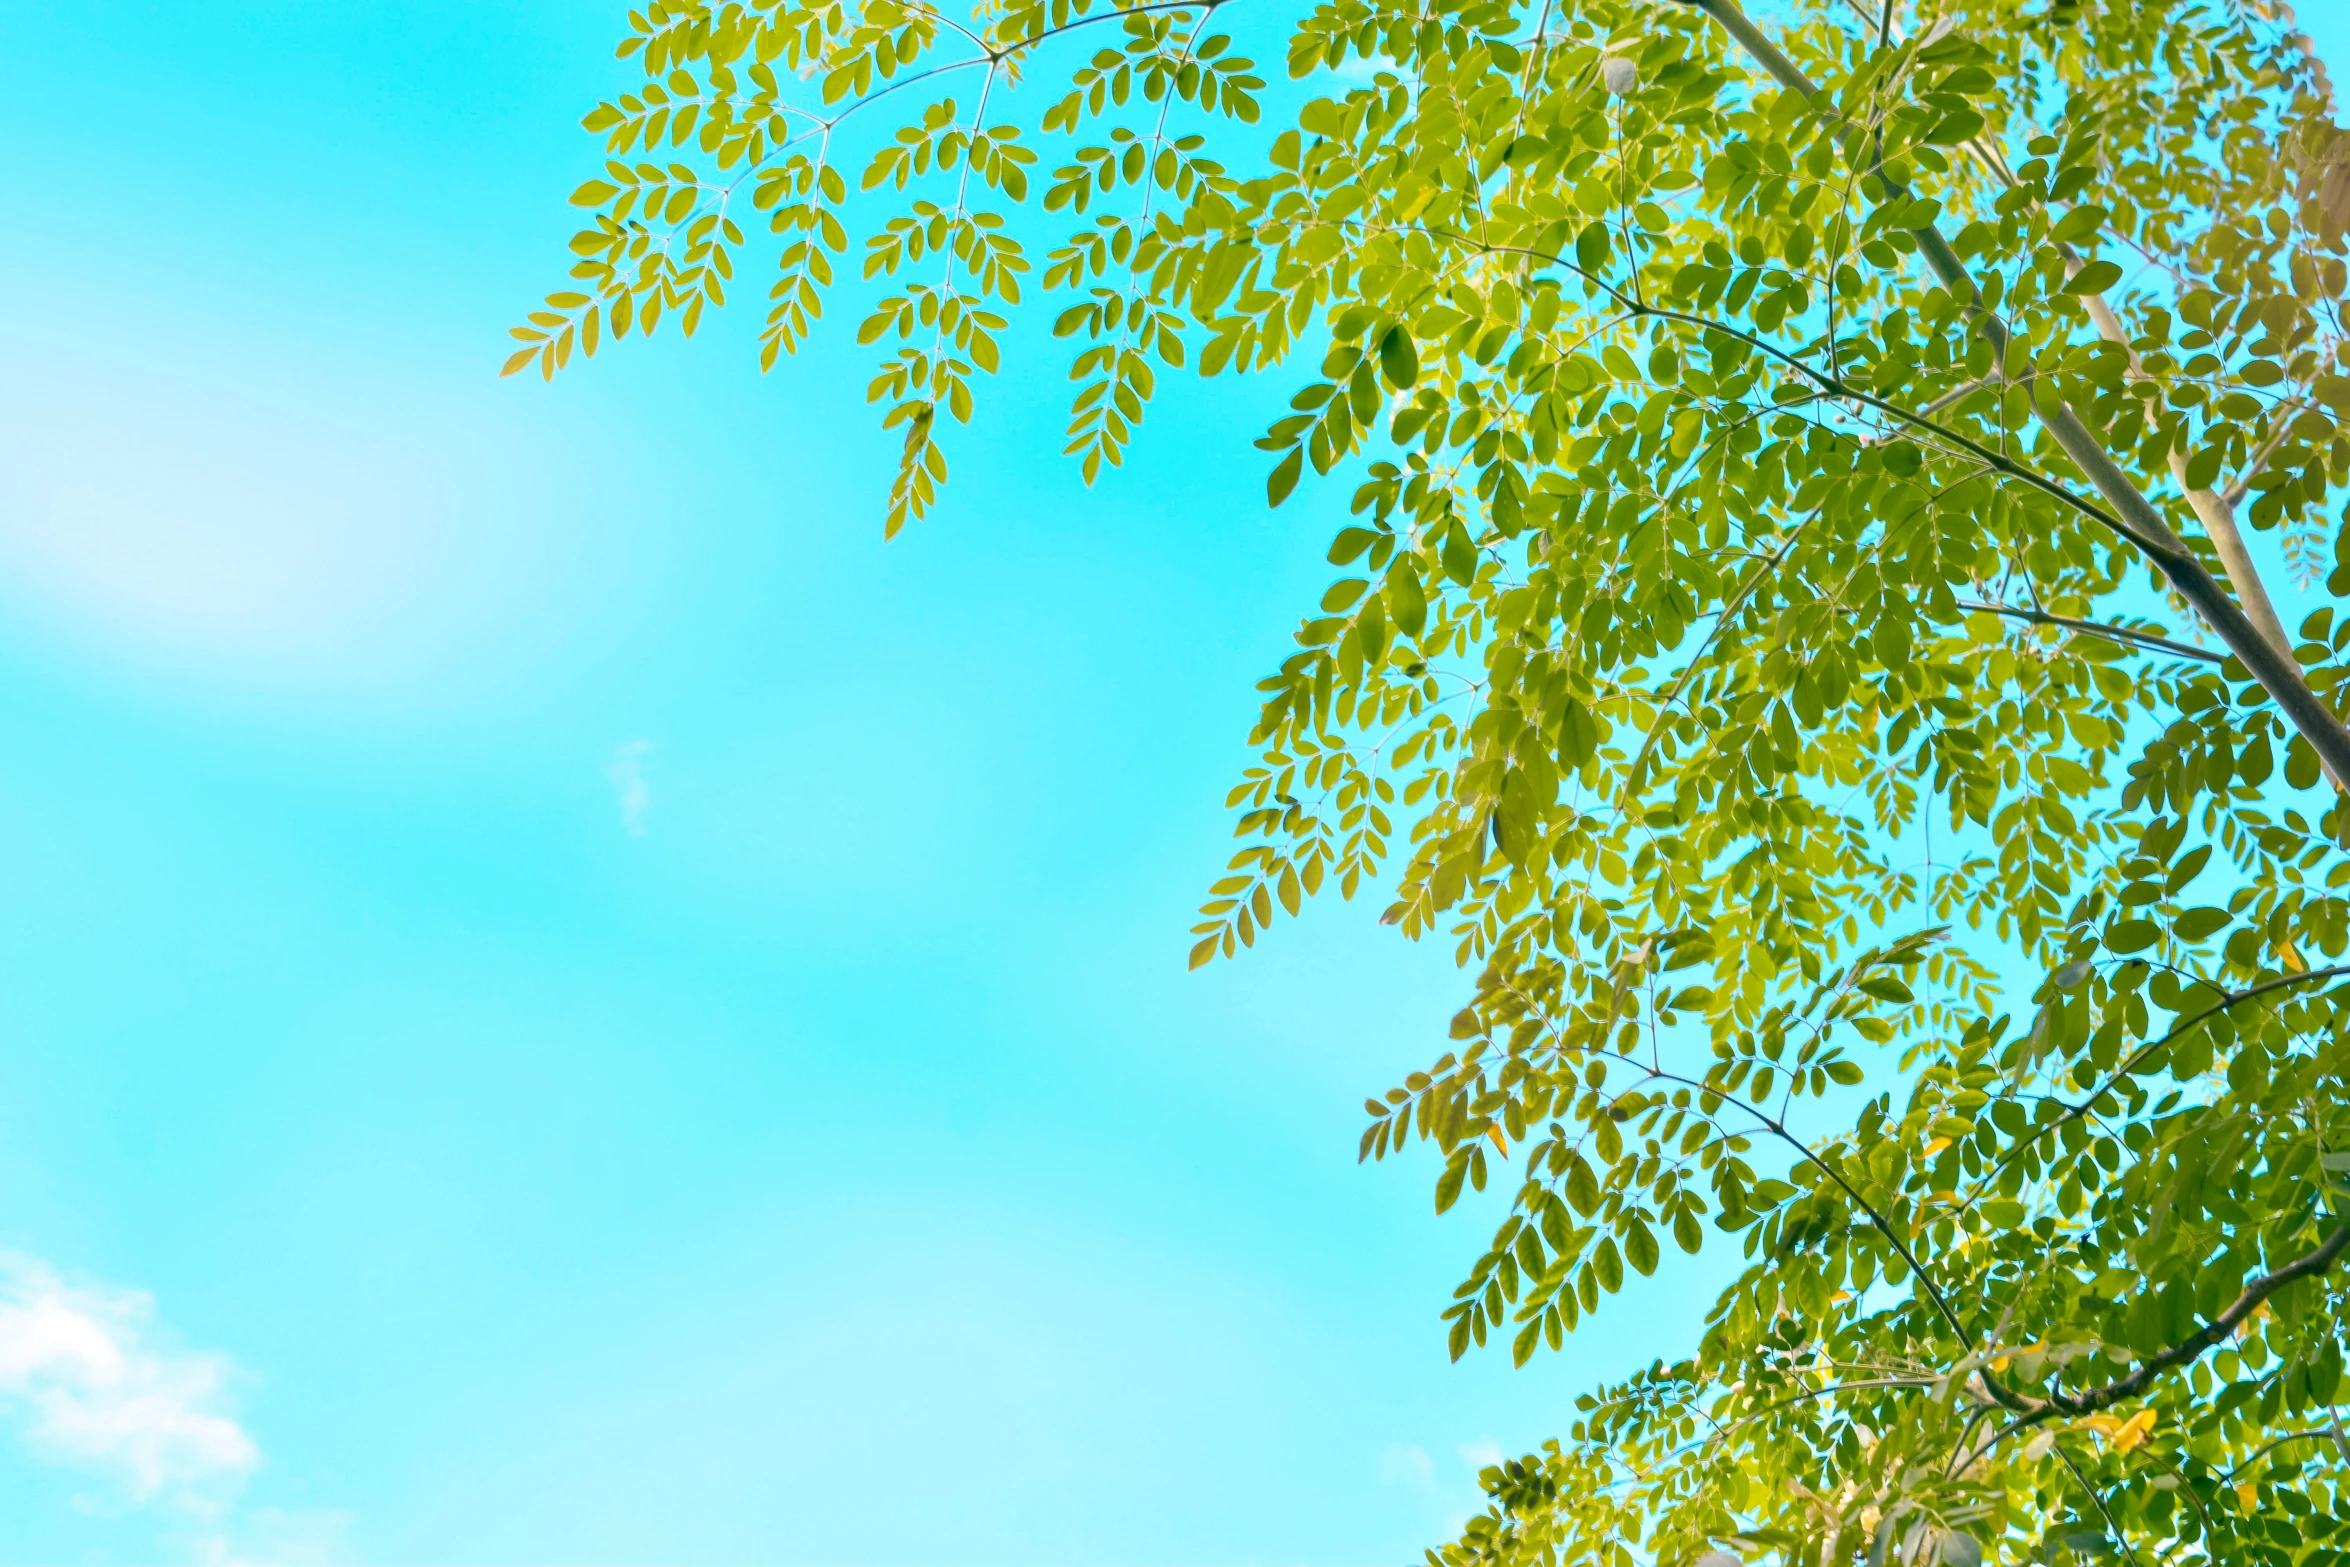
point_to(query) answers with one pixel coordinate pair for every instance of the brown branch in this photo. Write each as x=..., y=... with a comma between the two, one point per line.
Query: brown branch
x=2186, y=1350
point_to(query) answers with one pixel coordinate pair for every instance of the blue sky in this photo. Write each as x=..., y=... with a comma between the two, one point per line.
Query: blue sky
x=563, y=1002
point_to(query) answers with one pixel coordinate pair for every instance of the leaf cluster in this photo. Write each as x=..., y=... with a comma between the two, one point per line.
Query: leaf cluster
x=1794, y=463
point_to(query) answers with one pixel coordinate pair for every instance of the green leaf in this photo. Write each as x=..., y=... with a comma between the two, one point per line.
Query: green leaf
x=2078, y=224
x=1957, y=126
x=1581, y=1188
x=1592, y=247
x=2301, y=769
x=1399, y=359
x=1607, y=1266
x=1284, y=476
x=1448, y=1185
x=1640, y=1248
x=1407, y=604
x=1884, y=987
x=1459, y=555
x=2094, y=277
x=2203, y=468
x=2196, y=924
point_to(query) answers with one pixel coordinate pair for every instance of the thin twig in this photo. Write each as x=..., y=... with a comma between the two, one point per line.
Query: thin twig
x=2074, y=1112
x=2236, y=492
x=2091, y=628
x=2266, y=1448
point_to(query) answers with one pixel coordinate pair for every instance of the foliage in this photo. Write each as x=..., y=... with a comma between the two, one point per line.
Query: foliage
x=1789, y=521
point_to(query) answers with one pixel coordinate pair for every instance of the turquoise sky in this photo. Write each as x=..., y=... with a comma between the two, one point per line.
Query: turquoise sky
x=562, y=1002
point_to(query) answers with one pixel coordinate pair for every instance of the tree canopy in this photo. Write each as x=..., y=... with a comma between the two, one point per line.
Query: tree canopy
x=1801, y=636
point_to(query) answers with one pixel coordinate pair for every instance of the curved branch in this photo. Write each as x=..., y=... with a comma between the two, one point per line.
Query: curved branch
x=2035, y=1410
x=2091, y=628
x=2266, y=1448
x=2073, y=1112
x=1884, y=1228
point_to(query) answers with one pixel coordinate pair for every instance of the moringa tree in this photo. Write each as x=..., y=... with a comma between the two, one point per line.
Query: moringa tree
x=1813, y=473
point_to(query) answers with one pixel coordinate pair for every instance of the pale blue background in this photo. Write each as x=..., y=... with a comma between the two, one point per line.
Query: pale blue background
x=843, y=1171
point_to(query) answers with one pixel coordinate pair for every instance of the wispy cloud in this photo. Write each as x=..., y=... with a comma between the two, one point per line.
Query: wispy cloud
x=284, y=525
x=94, y=1385
x=630, y=786
x=1483, y=1453
x=1406, y=1465
x=272, y=1537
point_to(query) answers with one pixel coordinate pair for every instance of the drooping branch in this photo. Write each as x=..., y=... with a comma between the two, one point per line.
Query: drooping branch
x=1878, y=1221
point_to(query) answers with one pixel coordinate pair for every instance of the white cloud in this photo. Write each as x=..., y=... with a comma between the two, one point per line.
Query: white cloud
x=223, y=528
x=630, y=786
x=1483, y=1453
x=1405, y=1465
x=273, y=1537
x=91, y=1385
x=197, y=495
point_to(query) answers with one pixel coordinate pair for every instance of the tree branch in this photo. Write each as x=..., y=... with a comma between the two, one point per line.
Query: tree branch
x=2075, y=1112
x=2091, y=628
x=2275, y=669
x=2186, y=1350
x=2266, y=1448
x=2259, y=459
x=1883, y=1227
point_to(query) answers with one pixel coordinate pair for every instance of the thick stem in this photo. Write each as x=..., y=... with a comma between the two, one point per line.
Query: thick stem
x=2211, y=508
x=2215, y=511
x=2274, y=668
